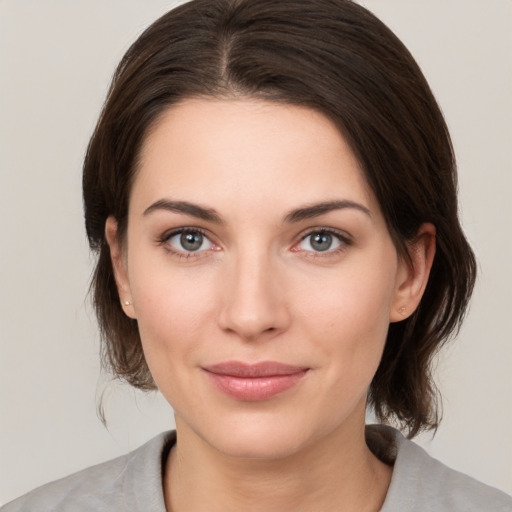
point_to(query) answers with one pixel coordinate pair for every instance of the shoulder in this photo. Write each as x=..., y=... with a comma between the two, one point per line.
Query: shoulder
x=424, y=484
x=130, y=482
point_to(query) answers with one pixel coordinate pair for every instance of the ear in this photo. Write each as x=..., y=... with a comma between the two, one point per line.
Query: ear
x=119, y=266
x=413, y=273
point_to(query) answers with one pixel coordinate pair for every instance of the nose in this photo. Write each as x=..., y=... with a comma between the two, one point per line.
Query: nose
x=254, y=299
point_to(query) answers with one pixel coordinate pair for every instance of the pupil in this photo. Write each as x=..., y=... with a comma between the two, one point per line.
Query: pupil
x=191, y=241
x=321, y=241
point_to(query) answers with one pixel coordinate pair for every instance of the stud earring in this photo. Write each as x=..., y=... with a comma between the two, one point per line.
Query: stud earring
x=402, y=310
x=127, y=303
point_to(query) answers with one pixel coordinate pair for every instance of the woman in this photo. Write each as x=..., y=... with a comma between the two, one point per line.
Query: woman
x=271, y=191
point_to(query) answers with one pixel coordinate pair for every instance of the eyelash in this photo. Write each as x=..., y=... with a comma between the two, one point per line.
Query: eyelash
x=166, y=237
x=342, y=237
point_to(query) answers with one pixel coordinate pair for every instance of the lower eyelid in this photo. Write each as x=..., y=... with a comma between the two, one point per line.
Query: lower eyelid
x=326, y=255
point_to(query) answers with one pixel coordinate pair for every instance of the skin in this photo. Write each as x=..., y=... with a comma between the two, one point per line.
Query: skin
x=259, y=290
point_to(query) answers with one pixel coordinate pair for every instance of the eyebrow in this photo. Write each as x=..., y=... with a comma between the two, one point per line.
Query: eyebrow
x=315, y=210
x=185, y=207
x=210, y=215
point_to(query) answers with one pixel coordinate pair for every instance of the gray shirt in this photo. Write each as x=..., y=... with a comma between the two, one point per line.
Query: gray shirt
x=133, y=482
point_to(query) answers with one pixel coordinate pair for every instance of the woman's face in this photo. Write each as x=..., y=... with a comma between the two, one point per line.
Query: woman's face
x=261, y=273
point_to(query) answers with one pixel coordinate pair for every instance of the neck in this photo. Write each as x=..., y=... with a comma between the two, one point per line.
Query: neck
x=337, y=473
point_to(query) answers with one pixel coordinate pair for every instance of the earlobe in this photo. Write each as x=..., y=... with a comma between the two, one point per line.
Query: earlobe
x=413, y=273
x=119, y=266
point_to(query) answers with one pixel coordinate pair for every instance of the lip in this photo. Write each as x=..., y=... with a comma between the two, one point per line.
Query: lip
x=254, y=382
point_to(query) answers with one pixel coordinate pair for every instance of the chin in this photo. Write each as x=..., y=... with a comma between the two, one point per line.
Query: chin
x=263, y=445
x=264, y=435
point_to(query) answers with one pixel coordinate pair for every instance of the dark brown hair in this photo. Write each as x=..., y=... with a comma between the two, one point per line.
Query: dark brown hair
x=329, y=55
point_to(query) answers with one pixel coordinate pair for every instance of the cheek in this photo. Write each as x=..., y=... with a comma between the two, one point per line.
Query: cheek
x=173, y=309
x=347, y=313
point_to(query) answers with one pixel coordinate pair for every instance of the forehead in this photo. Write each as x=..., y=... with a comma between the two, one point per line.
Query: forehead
x=245, y=152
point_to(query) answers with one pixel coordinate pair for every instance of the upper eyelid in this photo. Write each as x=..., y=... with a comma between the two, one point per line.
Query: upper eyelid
x=332, y=231
x=185, y=229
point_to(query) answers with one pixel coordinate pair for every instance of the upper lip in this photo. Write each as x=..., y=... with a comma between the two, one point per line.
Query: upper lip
x=248, y=370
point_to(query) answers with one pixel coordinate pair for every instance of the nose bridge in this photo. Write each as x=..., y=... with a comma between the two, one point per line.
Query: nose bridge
x=253, y=303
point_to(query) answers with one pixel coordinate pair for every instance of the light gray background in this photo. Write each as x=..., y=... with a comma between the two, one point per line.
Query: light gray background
x=55, y=64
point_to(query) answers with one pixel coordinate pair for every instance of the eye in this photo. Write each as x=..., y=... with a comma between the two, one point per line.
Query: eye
x=322, y=241
x=188, y=241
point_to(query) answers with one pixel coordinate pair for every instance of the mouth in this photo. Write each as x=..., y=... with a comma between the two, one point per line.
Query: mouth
x=254, y=382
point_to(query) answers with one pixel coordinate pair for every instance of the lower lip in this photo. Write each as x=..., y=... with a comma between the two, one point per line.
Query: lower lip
x=252, y=389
